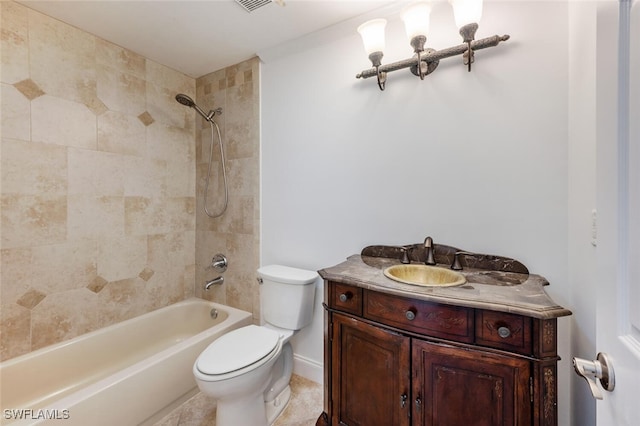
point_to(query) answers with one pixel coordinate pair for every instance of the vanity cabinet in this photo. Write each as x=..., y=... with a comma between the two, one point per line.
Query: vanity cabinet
x=396, y=360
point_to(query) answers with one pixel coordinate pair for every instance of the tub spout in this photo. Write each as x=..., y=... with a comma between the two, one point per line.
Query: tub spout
x=215, y=281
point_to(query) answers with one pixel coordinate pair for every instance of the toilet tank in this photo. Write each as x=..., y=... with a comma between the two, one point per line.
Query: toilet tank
x=287, y=296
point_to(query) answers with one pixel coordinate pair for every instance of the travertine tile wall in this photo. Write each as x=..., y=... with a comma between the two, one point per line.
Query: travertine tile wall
x=237, y=232
x=98, y=183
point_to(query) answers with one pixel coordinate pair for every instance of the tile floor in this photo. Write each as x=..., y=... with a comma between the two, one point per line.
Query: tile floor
x=304, y=408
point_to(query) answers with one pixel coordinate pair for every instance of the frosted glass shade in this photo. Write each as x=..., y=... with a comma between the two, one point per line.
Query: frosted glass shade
x=372, y=33
x=466, y=11
x=416, y=19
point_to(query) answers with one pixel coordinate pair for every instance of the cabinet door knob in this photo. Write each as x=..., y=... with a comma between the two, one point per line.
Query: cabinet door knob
x=504, y=332
x=345, y=296
x=410, y=314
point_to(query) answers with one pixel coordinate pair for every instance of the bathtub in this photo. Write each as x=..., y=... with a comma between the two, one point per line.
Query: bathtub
x=129, y=373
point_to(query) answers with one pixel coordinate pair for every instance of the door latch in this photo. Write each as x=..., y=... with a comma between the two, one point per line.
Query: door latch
x=600, y=369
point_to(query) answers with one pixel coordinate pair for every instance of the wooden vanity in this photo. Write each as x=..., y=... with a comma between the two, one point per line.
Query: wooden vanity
x=397, y=355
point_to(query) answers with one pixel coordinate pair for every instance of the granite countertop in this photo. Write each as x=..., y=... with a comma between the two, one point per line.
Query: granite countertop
x=518, y=293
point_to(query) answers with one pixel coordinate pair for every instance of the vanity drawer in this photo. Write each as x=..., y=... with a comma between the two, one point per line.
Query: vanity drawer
x=346, y=298
x=501, y=330
x=432, y=319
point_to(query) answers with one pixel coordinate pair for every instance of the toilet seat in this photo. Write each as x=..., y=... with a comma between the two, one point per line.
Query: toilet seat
x=238, y=351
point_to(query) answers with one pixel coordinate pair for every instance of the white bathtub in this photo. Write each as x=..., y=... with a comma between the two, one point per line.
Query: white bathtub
x=130, y=373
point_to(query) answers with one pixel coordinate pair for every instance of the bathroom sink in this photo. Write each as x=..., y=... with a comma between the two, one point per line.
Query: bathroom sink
x=423, y=275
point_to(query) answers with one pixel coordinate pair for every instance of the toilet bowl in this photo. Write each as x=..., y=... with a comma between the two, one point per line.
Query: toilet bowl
x=248, y=370
x=236, y=369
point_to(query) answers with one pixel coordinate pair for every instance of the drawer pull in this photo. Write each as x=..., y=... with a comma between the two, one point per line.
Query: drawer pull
x=504, y=332
x=410, y=314
x=345, y=296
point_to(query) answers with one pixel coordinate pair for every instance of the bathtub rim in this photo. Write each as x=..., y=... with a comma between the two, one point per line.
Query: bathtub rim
x=235, y=318
x=119, y=324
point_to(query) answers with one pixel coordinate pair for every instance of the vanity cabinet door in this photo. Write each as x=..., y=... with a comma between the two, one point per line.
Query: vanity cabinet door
x=459, y=386
x=371, y=374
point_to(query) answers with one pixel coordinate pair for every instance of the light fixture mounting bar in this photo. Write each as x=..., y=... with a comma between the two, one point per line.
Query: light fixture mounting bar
x=434, y=56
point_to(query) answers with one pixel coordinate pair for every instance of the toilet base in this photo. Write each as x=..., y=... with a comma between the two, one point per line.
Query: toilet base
x=241, y=411
x=276, y=407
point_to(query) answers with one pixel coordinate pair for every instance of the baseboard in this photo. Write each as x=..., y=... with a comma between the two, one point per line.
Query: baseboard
x=308, y=368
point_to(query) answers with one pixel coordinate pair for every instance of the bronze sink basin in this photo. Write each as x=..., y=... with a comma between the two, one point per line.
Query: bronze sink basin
x=423, y=275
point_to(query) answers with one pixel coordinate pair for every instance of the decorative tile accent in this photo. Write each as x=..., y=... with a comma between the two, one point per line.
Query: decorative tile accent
x=31, y=298
x=95, y=105
x=97, y=284
x=146, y=274
x=146, y=118
x=29, y=89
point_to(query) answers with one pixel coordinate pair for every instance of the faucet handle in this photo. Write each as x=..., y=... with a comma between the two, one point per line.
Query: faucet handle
x=404, y=251
x=219, y=263
x=456, y=266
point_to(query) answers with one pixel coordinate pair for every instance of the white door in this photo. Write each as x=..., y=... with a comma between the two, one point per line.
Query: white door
x=618, y=205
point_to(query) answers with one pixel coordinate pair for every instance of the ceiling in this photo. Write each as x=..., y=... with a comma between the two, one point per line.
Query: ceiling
x=199, y=37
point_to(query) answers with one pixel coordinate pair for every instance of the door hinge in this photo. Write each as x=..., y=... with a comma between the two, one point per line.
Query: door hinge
x=331, y=331
x=531, y=389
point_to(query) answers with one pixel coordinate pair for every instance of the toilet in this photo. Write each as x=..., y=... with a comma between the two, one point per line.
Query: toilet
x=248, y=370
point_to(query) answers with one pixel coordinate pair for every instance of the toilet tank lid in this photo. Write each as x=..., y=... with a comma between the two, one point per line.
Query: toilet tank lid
x=287, y=274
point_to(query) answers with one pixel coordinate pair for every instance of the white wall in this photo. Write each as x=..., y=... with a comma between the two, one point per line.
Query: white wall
x=477, y=160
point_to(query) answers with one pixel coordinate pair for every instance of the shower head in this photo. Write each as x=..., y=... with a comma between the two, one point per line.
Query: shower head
x=187, y=101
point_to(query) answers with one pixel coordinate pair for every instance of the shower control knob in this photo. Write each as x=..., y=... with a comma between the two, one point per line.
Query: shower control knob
x=219, y=263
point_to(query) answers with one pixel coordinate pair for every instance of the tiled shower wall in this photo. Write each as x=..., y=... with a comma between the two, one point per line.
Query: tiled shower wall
x=236, y=233
x=98, y=186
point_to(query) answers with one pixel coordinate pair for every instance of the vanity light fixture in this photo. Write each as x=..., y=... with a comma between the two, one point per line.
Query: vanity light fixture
x=416, y=21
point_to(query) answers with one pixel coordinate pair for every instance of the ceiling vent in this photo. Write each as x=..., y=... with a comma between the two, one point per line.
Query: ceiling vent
x=251, y=5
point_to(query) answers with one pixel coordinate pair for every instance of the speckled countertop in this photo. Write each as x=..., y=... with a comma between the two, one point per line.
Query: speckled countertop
x=512, y=292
